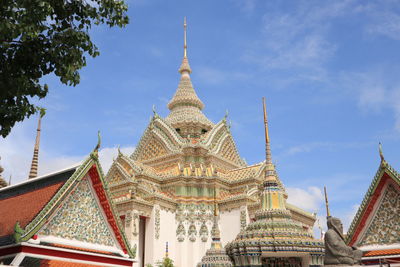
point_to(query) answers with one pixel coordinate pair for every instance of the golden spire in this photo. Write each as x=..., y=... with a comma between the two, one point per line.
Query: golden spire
x=268, y=157
x=184, y=38
x=328, y=213
x=35, y=159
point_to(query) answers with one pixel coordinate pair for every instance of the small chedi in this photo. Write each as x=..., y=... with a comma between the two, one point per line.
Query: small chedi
x=337, y=252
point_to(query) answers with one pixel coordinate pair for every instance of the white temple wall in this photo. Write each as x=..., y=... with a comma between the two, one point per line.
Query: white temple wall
x=149, y=239
x=229, y=223
x=190, y=253
x=167, y=234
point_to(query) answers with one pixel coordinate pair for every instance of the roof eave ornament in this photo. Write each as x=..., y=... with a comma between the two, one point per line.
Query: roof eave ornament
x=95, y=153
x=381, y=153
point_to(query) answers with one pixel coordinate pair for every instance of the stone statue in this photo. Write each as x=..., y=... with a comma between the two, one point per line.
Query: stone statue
x=336, y=250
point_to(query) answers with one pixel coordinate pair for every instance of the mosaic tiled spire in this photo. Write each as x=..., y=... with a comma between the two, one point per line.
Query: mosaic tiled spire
x=185, y=105
x=273, y=230
x=273, y=196
x=3, y=182
x=35, y=159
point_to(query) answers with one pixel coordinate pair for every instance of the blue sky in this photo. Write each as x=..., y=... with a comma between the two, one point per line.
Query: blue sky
x=329, y=71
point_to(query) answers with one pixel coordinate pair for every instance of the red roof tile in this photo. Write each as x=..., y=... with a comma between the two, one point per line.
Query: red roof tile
x=382, y=252
x=24, y=207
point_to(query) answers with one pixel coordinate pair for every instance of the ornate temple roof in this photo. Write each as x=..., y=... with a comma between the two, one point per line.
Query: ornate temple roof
x=36, y=206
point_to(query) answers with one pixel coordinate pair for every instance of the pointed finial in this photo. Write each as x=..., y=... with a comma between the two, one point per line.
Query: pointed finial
x=119, y=150
x=381, y=152
x=268, y=157
x=328, y=213
x=154, y=110
x=184, y=38
x=226, y=114
x=35, y=159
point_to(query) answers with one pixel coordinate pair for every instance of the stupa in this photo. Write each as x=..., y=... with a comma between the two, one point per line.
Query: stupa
x=274, y=238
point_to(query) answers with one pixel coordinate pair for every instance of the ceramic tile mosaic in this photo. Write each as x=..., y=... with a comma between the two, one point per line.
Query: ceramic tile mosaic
x=80, y=218
x=385, y=227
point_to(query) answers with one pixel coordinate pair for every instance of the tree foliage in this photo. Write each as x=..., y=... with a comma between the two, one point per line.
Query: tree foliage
x=39, y=37
x=166, y=262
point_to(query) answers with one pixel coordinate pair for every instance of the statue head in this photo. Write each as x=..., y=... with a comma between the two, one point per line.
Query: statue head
x=336, y=224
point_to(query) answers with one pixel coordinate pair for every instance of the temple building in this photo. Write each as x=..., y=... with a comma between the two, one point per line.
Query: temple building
x=375, y=228
x=164, y=191
x=63, y=219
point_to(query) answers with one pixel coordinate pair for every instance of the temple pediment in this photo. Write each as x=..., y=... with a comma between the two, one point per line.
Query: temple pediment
x=377, y=220
x=384, y=227
x=80, y=218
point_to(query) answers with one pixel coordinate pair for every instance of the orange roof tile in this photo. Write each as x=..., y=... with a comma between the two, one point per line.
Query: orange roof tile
x=81, y=249
x=382, y=252
x=24, y=207
x=55, y=263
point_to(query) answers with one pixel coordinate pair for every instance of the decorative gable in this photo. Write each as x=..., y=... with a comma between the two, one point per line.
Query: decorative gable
x=117, y=174
x=80, y=218
x=385, y=227
x=152, y=149
x=228, y=151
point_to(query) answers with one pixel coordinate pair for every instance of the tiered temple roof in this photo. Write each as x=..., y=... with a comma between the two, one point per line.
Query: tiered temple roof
x=185, y=106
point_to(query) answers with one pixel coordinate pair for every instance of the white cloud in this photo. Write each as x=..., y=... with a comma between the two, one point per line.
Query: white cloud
x=310, y=199
x=216, y=76
x=383, y=20
x=297, y=39
x=246, y=6
x=375, y=90
x=17, y=149
x=108, y=154
x=326, y=146
x=348, y=217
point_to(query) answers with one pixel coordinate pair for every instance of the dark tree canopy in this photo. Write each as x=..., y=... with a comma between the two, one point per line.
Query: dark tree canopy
x=39, y=37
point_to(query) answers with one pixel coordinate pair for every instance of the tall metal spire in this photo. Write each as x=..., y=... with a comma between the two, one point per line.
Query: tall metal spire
x=184, y=38
x=268, y=156
x=185, y=67
x=35, y=159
